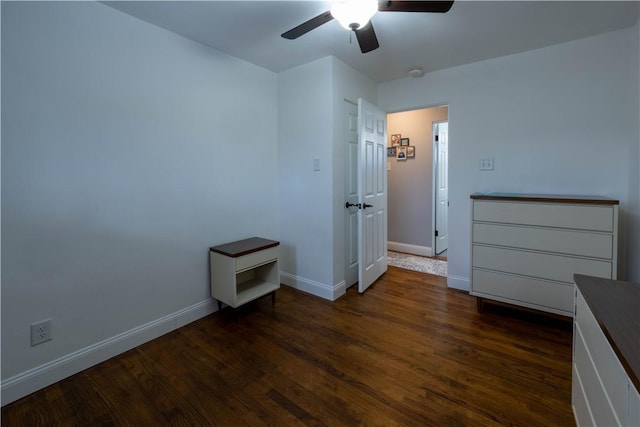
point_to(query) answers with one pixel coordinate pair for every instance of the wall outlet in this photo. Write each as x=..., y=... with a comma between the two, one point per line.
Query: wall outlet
x=40, y=332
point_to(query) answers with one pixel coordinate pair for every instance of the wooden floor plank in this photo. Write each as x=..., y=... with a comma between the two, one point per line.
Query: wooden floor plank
x=407, y=352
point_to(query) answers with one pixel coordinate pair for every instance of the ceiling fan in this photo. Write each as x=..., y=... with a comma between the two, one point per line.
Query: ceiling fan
x=355, y=15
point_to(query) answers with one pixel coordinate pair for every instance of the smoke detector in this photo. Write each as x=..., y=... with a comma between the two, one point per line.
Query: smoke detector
x=416, y=72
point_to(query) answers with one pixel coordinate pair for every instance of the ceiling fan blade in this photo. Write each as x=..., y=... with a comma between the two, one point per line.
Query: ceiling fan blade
x=367, y=38
x=415, y=6
x=305, y=27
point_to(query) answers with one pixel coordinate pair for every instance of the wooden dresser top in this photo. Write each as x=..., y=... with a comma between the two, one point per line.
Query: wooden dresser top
x=547, y=198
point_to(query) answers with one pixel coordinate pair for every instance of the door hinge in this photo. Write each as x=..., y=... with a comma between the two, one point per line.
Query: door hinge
x=436, y=233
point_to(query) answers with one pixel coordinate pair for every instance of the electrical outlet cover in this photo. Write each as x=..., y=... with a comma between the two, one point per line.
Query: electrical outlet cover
x=40, y=332
x=486, y=164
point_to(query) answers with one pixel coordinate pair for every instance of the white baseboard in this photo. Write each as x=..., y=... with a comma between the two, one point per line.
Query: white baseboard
x=461, y=283
x=312, y=287
x=51, y=372
x=410, y=249
x=339, y=290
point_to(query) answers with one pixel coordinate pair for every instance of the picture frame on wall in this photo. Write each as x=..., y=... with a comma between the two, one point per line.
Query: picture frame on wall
x=391, y=151
x=395, y=140
x=411, y=152
x=404, y=141
x=401, y=153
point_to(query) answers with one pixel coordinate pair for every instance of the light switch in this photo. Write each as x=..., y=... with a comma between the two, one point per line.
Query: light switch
x=486, y=164
x=316, y=164
x=388, y=166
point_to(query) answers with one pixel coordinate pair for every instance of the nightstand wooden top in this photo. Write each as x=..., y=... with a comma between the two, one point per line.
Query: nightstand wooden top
x=244, y=247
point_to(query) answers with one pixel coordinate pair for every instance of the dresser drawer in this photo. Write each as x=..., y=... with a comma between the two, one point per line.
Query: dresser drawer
x=612, y=375
x=600, y=406
x=582, y=217
x=532, y=292
x=545, y=239
x=544, y=266
x=579, y=403
x=256, y=259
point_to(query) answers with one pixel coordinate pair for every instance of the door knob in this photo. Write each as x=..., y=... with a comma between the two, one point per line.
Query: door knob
x=348, y=205
x=365, y=206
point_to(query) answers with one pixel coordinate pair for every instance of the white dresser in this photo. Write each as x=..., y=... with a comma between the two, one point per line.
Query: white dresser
x=526, y=248
x=606, y=353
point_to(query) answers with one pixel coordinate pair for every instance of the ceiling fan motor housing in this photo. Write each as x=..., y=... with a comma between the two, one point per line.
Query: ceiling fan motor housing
x=355, y=15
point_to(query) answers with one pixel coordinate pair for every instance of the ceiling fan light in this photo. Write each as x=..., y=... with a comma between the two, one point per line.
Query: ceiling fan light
x=354, y=14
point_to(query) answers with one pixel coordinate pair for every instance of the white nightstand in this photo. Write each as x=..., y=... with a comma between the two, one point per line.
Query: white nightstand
x=244, y=270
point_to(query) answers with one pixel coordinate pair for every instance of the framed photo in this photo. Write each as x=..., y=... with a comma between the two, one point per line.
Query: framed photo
x=391, y=151
x=404, y=141
x=395, y=140
x=411, y=152
x=401, y=153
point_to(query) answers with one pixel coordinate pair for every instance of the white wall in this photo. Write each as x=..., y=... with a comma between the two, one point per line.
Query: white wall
x=126, y=152
x=557, y=120
x=305, y=132
x=634, y=199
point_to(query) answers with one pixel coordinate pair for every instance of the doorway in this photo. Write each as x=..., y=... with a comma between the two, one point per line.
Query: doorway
x=412, y=186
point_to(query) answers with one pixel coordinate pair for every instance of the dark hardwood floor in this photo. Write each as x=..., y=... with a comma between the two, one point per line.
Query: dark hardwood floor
x=409, y=352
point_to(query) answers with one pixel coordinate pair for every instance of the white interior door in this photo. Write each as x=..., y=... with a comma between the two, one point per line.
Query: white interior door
x=351, y=191
x=372, y=189
x=441, y=131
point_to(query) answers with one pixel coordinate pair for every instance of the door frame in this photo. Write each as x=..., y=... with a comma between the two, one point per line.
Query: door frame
x=433, y=185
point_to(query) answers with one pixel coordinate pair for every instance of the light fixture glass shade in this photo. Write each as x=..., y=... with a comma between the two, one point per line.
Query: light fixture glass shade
x=354, y=14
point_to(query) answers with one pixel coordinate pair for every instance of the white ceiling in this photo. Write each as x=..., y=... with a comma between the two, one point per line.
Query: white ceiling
x=471, y=31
